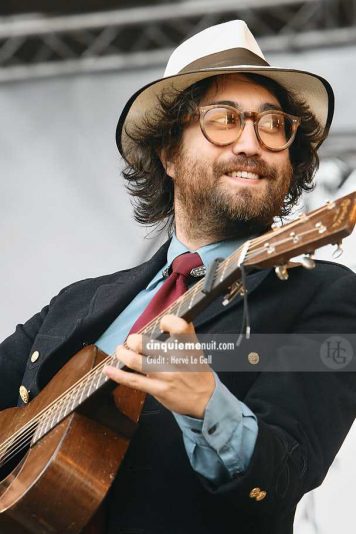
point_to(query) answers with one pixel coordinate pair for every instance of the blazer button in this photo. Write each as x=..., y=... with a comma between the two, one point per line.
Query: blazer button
x=254, y=492
x=24, y=394
x=35, y=356
x=253, y=358
x=261, y=495
x=258, y=494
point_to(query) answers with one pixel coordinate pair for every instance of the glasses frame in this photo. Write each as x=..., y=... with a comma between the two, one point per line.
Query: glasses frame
x=255, y=117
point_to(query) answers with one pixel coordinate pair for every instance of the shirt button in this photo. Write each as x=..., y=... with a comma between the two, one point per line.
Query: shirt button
x=212, y=429
x=35, y=356
x=24, y=394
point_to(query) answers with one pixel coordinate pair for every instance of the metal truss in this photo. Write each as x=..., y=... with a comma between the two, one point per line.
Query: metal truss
x=40, y=46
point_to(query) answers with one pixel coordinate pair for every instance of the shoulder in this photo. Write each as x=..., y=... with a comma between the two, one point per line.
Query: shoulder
x=324, y=274
x=84, y=289
x=330, y=268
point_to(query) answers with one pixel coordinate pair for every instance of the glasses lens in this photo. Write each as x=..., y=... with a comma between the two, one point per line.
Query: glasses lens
x=275, y=130
x=222, y=125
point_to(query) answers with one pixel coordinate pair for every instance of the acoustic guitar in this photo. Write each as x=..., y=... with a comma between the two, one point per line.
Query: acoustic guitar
x=60, y=453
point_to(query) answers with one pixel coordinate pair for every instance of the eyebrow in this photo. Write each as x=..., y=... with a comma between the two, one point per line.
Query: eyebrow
x=263, y=107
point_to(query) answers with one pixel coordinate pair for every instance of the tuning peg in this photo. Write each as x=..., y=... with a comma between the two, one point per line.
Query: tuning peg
x=338, y=251
x=307, y=261
x=282, y=272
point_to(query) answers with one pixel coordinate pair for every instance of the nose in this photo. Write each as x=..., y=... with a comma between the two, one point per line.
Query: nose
x=247, y=144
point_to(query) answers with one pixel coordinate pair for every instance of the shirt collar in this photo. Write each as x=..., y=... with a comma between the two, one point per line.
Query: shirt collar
x=220, y=249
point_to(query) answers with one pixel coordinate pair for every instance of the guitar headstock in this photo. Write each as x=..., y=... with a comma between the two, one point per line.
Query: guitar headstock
x=326, y=225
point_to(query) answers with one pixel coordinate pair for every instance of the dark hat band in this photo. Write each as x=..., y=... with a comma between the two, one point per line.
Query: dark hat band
x=228, y=58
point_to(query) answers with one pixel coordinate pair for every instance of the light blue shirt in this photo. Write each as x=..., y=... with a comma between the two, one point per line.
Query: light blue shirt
x=219, y=446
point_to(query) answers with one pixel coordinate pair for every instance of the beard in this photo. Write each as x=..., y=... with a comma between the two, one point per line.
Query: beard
x=209, y=207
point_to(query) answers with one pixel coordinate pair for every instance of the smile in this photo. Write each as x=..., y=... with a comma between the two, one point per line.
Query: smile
x=244, y=174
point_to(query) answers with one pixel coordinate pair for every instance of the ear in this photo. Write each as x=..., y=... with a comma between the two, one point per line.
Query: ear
x=168, y=166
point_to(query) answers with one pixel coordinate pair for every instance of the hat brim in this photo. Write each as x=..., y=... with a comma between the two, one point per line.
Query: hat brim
x=311, y=88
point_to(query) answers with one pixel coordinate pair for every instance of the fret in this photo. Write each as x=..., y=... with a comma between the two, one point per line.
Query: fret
x=243, y=253
x=92, y=388
x=65, y=409
x=82, y=387
x=37, y=434
x=47, y=426
x=156, y=324
x=60, y=405
x=155, y=331
x=229, y=262
x=73, y=399
x=224, y=263
x=44, y=425
x=180, y=302
x=194, y=293
x=99, y=380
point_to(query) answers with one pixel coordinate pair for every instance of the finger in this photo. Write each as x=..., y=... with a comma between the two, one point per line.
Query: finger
x=134, y=380
x=129, y=357
x=134, y=342
x=176, y=325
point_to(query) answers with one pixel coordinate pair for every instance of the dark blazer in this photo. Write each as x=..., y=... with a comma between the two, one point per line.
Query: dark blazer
x=303, y=417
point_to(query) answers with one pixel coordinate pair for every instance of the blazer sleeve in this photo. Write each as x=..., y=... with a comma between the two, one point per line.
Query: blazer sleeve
x=15, y=351
x=303, y=417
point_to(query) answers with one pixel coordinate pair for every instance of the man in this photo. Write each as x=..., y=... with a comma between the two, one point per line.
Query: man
x=216, y=150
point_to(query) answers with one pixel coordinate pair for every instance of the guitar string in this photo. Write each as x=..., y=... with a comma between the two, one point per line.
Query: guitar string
x=84, y=380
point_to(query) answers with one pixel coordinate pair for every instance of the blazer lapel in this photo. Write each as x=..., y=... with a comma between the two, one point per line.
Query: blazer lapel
x=108, y=301
x=111, y=299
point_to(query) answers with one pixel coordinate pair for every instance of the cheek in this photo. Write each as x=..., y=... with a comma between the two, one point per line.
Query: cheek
x=279, y=160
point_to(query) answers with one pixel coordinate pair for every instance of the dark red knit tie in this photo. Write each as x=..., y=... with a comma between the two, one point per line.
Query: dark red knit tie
x=172, y=288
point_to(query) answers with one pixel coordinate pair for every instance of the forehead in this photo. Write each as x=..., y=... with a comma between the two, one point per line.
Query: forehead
x=240, y=89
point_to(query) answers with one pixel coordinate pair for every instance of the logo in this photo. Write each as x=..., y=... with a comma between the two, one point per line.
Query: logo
x=336, y=352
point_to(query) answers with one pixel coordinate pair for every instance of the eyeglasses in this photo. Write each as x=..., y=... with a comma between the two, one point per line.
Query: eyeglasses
x=222, y=125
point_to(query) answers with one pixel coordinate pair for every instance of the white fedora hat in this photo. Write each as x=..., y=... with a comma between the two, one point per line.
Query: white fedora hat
x=223, y=49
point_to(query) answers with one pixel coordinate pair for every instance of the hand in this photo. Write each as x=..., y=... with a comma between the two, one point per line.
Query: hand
x=183, y=391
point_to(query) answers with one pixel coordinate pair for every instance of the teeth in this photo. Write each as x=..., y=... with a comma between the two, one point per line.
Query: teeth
x=244, y=174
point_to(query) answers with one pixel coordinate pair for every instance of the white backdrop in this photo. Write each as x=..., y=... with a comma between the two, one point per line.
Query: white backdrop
x=65, y=214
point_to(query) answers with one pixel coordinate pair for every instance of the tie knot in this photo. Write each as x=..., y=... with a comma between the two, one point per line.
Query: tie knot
x=184, y=263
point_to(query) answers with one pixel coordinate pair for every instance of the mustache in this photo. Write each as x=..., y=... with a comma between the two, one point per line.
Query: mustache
x=240, y=163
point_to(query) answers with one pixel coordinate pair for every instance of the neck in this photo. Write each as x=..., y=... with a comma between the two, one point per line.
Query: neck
x=194, y=233
x=195, y=241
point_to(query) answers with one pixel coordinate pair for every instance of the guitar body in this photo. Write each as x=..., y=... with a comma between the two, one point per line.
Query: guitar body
x=63, y=478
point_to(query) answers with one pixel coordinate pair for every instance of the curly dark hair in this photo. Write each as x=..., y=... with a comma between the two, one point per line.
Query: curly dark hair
x=147, y=181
